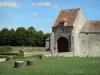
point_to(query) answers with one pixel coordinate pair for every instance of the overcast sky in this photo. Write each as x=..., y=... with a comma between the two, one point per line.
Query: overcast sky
x=42, y=13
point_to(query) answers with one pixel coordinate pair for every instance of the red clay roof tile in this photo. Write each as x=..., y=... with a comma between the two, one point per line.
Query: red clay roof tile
x=68, y=16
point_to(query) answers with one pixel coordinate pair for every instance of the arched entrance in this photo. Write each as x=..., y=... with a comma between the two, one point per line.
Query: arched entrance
x=62, y=44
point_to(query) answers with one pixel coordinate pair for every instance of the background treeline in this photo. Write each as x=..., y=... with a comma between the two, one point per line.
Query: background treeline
x=22, y=37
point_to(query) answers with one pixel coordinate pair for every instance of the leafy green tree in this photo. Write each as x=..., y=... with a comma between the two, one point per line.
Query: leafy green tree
x=39, y=39
x=31, y=36
x=32, y=30
x=47, y=35
x=4, y=37
x=11, y=36
x=20, y=36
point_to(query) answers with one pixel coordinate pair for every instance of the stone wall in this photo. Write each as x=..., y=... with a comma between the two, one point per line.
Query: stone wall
x=16, y=49
x=52, y=42
x=47, y=45
x=32, y=53
x=78, y=25
x=81, y=44
x=65, y=54
x=62, y=32
x=71, y=33
x=89, y=44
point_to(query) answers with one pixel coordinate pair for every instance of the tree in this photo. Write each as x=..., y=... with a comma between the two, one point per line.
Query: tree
x=20, y=36
x=39, y=39
x=4, y=40
x=31, y=36
x=32, y=30
x=47, y=35
x=11, y=36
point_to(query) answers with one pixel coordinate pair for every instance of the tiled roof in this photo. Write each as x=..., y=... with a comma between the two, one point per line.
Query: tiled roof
x=91, y=26
x=68, y=16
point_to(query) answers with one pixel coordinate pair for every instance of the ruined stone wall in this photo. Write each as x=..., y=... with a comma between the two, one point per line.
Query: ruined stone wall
x=32, y=53
x=52, y=42
x=47, y=45
x=89, y=44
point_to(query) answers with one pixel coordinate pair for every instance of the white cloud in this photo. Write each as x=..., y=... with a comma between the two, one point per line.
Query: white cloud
x=42, y=4
x=45, y=4
x=51, y=21
x=9, y=4
x=34, y=14
x=55, y=6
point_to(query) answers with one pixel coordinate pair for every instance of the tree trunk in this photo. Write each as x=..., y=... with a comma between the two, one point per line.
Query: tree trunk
x=19, y=64
x=30, y=63
x=41, y=56
x=9, y=58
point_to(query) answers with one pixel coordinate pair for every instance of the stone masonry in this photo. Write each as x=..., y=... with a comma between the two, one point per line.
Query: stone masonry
x=74, y=35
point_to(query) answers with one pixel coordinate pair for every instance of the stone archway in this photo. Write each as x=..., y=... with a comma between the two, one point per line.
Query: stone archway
x=62, y=44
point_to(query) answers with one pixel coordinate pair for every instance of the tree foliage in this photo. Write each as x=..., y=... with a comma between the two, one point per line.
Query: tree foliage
x=23, y=37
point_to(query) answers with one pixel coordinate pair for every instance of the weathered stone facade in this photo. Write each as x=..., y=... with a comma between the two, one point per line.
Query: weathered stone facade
x=74, y=35
x=90, y=44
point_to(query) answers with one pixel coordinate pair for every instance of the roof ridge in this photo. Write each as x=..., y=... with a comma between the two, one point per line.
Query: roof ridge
x=71, y=9
x=93, y=20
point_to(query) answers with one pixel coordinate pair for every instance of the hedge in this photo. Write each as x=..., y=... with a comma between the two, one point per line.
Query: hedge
x=4, y=55
x=17, y=54
x=5, y=49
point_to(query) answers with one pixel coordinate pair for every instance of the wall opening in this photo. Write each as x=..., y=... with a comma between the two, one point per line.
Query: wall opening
x=62, y=44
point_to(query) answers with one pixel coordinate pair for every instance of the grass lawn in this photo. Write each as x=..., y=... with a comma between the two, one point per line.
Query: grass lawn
x=54, y=66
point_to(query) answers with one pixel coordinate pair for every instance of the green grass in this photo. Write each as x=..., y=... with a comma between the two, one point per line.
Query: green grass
x=54, y=66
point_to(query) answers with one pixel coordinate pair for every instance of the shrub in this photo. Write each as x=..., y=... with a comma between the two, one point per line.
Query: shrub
x=5, y=49
x=21, y=51
x=5, y=56
x=15, y=55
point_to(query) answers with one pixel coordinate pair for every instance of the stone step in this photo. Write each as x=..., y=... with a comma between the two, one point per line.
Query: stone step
x=65, y=54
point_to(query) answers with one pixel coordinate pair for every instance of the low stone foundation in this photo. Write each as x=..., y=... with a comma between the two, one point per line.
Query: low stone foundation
x=48, y=53
x=64, y=54
x=27, y=54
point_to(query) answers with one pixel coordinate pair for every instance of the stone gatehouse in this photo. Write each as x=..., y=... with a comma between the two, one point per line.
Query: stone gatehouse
x=74, y=35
